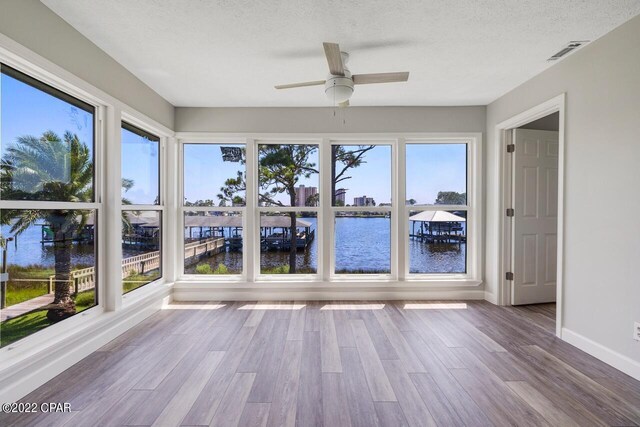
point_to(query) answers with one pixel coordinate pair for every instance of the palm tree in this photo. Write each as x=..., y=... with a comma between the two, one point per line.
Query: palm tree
x=50, y=169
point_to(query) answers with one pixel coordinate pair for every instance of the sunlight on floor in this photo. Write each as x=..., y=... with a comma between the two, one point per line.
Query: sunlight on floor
x=205, y=306
x=259, y=306
x=436, y=306
x=352, y=307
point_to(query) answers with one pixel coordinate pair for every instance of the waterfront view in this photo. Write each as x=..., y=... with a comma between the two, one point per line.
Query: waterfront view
x=362, y=246
x=48, y=155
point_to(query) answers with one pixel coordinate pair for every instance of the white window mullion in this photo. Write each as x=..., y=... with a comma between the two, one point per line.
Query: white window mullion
x=112, y=264
x=170, y=246
x=251, y=218
x=400, y=233
x=325, y=216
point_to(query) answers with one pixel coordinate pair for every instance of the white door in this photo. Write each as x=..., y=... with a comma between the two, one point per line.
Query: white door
x=535, y=228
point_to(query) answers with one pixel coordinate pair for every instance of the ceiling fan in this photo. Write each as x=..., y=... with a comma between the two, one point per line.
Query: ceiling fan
x=339, y=83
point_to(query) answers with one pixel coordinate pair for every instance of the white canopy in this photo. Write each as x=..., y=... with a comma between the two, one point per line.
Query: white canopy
x=436, y=216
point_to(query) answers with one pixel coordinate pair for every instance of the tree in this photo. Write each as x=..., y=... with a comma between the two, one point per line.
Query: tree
x=280, y=167
x=50, y=168
x=411, y=202
x=312, y=200
x=451, y=198
x=348, y=158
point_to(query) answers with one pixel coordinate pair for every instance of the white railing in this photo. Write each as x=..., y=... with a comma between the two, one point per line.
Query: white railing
x=84, y=279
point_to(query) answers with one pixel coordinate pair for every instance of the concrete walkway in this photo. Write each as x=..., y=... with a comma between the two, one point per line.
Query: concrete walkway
x=24, y=307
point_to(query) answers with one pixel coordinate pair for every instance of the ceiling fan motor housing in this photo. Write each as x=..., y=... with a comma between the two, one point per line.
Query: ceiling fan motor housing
x=338, y=88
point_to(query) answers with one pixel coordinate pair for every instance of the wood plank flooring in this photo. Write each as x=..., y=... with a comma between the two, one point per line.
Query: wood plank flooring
x=410, y=363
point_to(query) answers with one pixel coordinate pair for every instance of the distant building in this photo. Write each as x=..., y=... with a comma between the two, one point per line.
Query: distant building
x=341, y=194
x=363, y=201
x=303, y=193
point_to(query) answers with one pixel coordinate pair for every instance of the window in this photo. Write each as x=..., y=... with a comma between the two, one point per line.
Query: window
x=288, y=176
x=214, y=175
x=437, y=206
x=140, y=166
x=362, y=242
x=214, y=196
x=392, y=209
x=277, y=240
x=141, y=208
x=48, y=155
x=213, y=242
x=361, y=177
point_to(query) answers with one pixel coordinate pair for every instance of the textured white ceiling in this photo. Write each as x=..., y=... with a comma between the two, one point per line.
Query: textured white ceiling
x=232, y=52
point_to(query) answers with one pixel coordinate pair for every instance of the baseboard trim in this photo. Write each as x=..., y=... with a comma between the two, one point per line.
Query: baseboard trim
x=262, y=293
x=24, y=376
x=619, y=361
x=491, y=297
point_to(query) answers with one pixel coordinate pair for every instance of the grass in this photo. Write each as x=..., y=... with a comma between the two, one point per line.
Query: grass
x=284, y=269
x=205, y=268
x=134, y=281
x=19, y=327
x=27, y=282
x=361, y=271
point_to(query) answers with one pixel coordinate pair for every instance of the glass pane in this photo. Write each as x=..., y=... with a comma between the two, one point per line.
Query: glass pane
x=363, y=243
x=288, y=175
x=47, y=144
x=140, y=167
x=141, y=244
x=436, y=174
x=214, y=174
x=361, y=175
x=51, y=263
x=212, y=242
x=437, y=242
x=288, y=244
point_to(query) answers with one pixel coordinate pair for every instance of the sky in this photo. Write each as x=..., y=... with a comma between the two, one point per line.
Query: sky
x=27, y=111
x=140, y=159
x=430, y=168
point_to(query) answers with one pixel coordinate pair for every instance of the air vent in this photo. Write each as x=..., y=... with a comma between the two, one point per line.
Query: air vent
x=570, y=47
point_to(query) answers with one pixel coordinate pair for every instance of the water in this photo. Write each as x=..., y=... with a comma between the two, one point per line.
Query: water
x=362, y=245
x=28, y=250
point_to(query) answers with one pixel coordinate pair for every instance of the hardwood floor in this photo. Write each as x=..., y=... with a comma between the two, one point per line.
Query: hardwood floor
x=340, y=364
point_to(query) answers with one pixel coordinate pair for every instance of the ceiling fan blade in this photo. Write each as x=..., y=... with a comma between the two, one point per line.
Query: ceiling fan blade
x=364, y=79
x=303, y=84
x=334, y=58
x=344, y=104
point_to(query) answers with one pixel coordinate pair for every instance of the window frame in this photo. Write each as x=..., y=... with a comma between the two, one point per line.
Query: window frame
x=391, y=210
x=325, y=212
x=42, y=81
x=180, y=224
x=129, y=123
x=472, y=248
x=259, y=210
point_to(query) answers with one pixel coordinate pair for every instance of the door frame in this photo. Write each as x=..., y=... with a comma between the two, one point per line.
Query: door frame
x=503, y=136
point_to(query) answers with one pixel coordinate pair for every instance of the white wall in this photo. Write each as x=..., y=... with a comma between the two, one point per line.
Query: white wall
x=602, y=187
x=312, y=120
x=36, y=27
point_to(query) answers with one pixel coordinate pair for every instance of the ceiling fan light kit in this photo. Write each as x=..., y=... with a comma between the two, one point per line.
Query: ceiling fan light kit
x=339, y=85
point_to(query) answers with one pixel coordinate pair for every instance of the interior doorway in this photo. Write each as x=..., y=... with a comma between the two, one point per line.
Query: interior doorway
x=532, y=202
x=534, y=212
